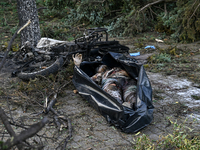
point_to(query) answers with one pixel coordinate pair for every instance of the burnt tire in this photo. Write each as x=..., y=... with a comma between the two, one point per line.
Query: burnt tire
x=53, y=68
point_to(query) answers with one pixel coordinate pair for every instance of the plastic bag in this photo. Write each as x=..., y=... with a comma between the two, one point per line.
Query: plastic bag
x=129, y=120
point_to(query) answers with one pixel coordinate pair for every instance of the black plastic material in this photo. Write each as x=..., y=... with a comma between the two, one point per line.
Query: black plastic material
x=128, y=120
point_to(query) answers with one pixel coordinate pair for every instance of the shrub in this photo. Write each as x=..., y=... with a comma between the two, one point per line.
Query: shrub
x=160, y=58
x=180, y=18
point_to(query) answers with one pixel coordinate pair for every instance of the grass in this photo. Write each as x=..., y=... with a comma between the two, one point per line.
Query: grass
x=8, y=22
x=171, y=62
x=178, y=140
x=196, y=97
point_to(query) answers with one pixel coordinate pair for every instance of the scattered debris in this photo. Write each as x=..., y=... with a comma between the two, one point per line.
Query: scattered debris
x=159, y=41
x=134, y=54
x=150, y=46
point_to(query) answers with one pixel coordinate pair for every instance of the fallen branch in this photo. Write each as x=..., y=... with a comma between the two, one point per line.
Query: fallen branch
x=70, y=133
x=51, y=104
x=58, y=118
x=50, y=108
x=7, y=125
x=10, y=43
x=35, y=128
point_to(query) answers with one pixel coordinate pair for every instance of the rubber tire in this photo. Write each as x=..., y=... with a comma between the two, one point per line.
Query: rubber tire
x=47, y=71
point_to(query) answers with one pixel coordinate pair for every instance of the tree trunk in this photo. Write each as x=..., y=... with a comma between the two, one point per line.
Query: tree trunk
x=27, y=10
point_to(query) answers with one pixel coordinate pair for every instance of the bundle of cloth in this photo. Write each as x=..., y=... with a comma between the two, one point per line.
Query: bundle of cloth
x=117, y=83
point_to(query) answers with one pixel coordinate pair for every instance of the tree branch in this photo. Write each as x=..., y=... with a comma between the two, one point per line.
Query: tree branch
x=10, y=43
x=29, y=21
x=70, y=133
x=7, y=125
x=192, y=15
x=26, y=134
x=165, y=7
x=151, y=4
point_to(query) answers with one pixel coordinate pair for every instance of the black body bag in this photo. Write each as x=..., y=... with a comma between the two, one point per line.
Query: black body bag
x=127, y=119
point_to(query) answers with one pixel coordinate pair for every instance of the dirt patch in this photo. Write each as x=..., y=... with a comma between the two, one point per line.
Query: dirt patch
x=175, y=84
x=172, y=97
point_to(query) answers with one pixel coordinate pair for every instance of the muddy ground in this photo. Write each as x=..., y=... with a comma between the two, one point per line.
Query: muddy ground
x=175, y=98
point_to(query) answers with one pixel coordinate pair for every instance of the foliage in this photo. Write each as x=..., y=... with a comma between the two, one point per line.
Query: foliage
x=160, y=58
x=196, y=97
x=179, y=139
x=59, y=31
x=180, y=18
x=40, y=86
x=93, y=12
x=184, y=20
x=113, y=14
x=57, y=4
x=2, y=146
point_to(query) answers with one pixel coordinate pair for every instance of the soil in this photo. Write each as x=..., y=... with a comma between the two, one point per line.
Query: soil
x=175, y=97
x=175, y=84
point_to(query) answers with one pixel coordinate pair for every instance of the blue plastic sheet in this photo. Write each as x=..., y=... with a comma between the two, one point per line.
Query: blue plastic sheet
x=150, y=46
x=134, y=54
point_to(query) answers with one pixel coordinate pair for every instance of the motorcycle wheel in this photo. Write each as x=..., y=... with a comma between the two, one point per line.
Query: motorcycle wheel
x=47, y=68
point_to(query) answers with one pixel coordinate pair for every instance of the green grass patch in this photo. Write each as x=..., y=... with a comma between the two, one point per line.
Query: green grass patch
x=179, y=139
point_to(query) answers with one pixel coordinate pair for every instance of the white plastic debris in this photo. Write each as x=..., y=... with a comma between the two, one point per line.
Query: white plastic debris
x=48, y=42
x=160, y=41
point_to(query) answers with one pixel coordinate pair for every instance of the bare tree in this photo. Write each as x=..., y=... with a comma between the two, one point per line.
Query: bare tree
x=27, y=10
